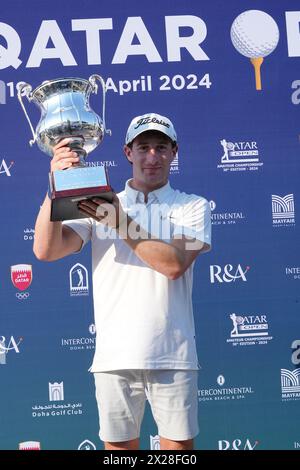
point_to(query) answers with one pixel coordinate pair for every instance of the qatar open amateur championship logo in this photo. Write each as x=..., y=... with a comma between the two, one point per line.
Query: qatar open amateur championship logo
x=239, y=156
x=249, y=330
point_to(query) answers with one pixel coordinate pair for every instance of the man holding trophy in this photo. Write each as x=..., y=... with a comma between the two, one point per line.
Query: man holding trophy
x=145, y=240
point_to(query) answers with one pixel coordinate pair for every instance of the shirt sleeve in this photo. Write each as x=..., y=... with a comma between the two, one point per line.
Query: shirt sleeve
x=83, y=227
x=193, y=219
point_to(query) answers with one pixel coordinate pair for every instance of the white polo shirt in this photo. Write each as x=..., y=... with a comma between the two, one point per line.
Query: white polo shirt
x=143, y=319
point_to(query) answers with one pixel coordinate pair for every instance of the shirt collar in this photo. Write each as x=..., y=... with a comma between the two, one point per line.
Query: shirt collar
x=159, y=194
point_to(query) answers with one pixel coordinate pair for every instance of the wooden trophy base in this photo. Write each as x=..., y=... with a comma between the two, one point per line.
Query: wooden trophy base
x=68, y=187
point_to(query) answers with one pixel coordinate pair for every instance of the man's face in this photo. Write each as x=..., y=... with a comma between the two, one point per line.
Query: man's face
x=151, y=155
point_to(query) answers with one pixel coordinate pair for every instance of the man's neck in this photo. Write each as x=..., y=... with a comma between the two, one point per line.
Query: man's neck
x=145, y=189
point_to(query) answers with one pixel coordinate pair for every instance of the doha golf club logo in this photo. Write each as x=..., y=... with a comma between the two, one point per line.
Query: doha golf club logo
x=255, y=35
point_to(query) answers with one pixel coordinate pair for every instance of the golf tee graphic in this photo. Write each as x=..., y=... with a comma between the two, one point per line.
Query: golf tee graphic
x=255, y=35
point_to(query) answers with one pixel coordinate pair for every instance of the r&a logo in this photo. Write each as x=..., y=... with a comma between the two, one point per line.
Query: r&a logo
x=237, y=444
x=4, y=168
x=230, y=274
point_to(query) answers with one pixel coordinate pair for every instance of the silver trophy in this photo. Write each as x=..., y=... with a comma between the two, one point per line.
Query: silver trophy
x=65, y=112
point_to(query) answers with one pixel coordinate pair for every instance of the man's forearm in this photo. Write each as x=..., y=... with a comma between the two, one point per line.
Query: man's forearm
x=159, y=255
x=48, y=235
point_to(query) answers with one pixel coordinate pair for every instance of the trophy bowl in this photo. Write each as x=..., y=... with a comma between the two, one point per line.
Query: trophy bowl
x=66, y=112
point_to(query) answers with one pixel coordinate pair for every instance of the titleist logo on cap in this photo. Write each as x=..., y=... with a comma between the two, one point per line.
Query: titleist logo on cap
x=148, y=119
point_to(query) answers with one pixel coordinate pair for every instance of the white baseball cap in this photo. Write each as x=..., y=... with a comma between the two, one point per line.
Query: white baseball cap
x=150, y=122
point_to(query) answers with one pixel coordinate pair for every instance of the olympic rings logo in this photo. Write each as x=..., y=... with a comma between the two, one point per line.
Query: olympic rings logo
x=22, y=296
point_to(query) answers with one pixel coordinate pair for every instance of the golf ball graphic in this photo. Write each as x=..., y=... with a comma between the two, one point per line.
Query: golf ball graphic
x=255, y=35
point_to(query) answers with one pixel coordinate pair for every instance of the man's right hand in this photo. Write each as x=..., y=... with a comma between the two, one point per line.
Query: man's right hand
x=63, y=156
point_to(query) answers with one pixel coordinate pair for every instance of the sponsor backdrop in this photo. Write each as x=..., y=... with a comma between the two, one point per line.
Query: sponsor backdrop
x=229, y=77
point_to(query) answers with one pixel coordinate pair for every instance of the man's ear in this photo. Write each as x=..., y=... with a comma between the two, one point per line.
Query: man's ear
x=127, y=152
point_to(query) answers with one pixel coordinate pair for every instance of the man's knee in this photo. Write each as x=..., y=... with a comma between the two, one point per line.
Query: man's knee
x=125, y=445
x=168, y=444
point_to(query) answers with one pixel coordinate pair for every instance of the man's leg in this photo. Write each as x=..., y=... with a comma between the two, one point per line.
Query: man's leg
x=125, y=445
x=121, y=400
x=167, y=444
x=172, y=395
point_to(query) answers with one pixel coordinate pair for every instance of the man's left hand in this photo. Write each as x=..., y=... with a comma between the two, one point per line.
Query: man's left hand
x=107, y=213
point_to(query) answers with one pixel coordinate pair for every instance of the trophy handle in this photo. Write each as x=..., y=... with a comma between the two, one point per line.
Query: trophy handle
x=23, y=86
x=92, y=81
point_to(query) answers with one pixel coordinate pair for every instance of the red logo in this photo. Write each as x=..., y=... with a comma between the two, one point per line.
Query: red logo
x=30, y=445
x=21, y=275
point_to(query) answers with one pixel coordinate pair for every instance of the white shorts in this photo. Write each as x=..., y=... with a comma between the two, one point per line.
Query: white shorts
x=172, y=394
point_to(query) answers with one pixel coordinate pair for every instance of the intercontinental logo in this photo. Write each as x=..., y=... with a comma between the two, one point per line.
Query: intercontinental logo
x=80, y=343
x=290, y=384
x=293, y=272
x=283, y=210
x=225, y=218
x=249, y=330
x=239, y=156
x=223, y=393
x=106, y=163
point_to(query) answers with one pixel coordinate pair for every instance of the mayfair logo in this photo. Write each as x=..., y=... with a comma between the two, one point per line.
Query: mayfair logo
x=148, y=119
x=283, y=210
x=174, y=168
x=290, y=384
x=228, y=274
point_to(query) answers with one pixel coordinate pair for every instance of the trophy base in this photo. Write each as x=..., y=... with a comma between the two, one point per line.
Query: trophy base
x=68, y=187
